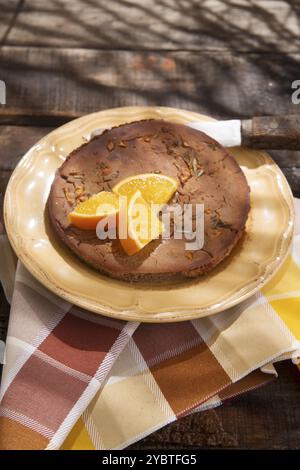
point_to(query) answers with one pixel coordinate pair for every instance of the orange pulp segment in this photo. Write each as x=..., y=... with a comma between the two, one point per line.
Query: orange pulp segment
x=87, y=214
x=143, y=225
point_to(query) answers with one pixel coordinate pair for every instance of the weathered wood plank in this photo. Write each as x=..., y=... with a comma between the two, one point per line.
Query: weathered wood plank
x=199, y=430
x=4, y=178
x=82, y=81
x=29, y=117
x=156, y=24
x=15, y=141
x=293, y=176
x=8, y=15
x=286, y=158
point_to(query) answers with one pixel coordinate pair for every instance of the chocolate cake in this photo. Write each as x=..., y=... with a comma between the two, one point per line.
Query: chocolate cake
x=206, y=173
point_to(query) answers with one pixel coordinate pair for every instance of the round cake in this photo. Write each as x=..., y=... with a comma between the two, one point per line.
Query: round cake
x=206, y=174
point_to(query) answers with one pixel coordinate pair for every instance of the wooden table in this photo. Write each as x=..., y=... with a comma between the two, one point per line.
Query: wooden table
x=61, y=59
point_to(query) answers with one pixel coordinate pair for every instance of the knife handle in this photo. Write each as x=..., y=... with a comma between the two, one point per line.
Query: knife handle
x=272, y=132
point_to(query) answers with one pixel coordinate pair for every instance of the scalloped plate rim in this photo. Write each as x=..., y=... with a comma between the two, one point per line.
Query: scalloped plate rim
x=163, y=315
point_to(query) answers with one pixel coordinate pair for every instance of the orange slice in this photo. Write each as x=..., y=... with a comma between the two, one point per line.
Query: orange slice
x=143, y=225
x=88, y=213
x=154, y=188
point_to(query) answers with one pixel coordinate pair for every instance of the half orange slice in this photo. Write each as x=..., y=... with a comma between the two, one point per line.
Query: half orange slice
x=154, y=188
x=142, y=224
x=88, y=213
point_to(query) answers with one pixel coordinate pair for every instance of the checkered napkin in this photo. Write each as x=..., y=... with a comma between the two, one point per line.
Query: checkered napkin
x=80, y=381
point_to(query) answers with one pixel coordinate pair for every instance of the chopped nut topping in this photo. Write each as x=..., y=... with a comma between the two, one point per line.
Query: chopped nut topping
x=111, y=176
x=79, y=191
x=68, y=196
x=110, y=145
x=219, y=223
x=194, y=163
x=122, y=144
x=183, y=178
x=106, y=171
x=212, y=146
x=217, y=233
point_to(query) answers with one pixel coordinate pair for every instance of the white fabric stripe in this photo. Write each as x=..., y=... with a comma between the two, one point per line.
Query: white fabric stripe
x=92, y=431
x=150, y=380
x=175, y=351
x=92, y=388
x=243, y=391
x=73, y=415
x=295, y=358
x=207, y=326
x=13, y=340
x=206, y=334
x=44, y=332
x=64, y=368
x=271, y=359
x=269, y=369
x=115, y=350
x=134, y=369
x=141, y=367
x=26, y=421
x=24, y=277
x=287, y=295
x=209, y=404
x=289, y=352
x=220, y=323
x=9, y=376
x=294, y=355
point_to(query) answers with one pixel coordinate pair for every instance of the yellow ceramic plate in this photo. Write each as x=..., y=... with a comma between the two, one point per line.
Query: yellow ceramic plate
x=253, y=262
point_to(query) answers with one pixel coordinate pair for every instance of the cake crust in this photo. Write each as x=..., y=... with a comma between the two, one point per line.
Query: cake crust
x=206, y=173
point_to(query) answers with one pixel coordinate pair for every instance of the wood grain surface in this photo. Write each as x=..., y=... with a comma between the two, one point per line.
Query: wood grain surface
x=79, y=81
x=154, y=24
x=61, y=59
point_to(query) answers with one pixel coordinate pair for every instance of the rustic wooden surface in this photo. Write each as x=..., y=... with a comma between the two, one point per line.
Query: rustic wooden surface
x=61, y=59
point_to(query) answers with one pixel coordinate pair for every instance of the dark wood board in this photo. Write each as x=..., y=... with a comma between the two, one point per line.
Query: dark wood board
x=70, y=82
x=154, y=24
